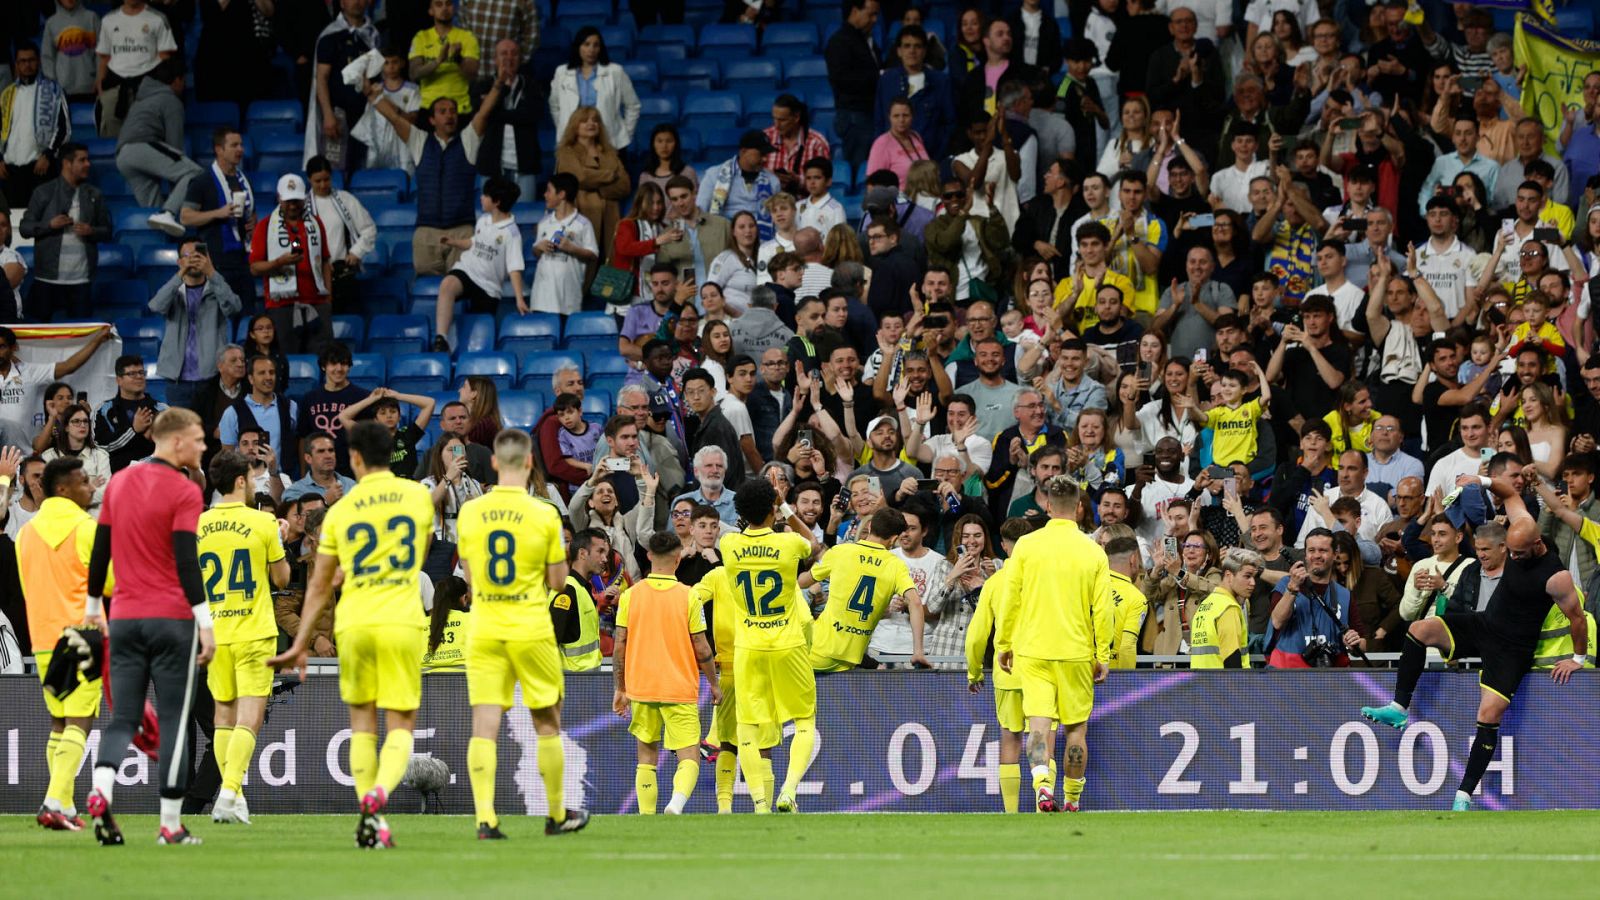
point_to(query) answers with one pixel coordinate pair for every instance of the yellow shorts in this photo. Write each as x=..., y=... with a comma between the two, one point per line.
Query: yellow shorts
x=82, y=703
x=727, y=731
x=240, y=670
x=775, y=686
x=829, y=664
x=381, y=664
x=494, y=668
x=680, y=722
x=1053, y=689
x=1008, y=709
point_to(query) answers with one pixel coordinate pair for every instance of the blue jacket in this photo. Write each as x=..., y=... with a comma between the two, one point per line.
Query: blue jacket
x=1309, y=617
x=933, y=109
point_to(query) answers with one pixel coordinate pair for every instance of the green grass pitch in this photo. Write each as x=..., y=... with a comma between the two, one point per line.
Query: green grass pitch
x=1105, y=855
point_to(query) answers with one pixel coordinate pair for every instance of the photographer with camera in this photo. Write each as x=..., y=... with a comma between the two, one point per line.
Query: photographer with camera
x=1312, y=619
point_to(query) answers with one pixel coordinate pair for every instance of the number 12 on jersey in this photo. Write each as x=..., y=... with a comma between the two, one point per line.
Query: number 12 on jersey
x=769, y=584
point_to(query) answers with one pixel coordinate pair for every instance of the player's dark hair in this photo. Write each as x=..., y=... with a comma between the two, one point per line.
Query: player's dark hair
x=373, y=443
x=1318, y=533
x=56, y=472
x=1122, y=546
x=664, y=543
x=584, y=540
x=1062, y=493
x=1582, y=463
x=227, y=467
x=503, y=191
x=1277, y=517
x=336, y=353
x=754, y=501
x=887, y=523
x=699, y=374
x=703, y=511
x=567, y=401
x=1014, y=528
x=449, y=593
x=1499, y=461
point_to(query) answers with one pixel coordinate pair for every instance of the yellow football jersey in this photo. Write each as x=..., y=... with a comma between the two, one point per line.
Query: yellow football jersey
x=1058, y=603
x=1235, y=431
x=985, y=616
x=715, y=588
x=862, y=578
x=379, y=534
x=763, y=567
x=1129, y=616
x=506, y=539
x=451, y=654
x=236, y=545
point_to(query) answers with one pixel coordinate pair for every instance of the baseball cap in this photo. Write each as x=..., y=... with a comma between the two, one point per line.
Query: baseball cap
x=873, y=425
x=291, y=187
x=660, y=408
x=755, y=140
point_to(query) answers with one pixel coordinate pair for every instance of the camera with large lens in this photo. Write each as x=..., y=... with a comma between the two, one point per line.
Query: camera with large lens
x=1320, y=653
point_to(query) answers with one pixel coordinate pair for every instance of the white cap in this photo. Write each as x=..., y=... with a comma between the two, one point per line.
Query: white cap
x=291, y=187
x=873, y=425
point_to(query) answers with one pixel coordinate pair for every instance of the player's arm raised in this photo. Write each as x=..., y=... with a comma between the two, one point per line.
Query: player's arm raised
x=707, y=661
x=1565, y=593
x=919, y=618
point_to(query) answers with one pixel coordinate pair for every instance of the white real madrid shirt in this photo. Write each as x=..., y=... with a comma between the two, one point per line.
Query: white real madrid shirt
x=1446, y=272
x=496, y=252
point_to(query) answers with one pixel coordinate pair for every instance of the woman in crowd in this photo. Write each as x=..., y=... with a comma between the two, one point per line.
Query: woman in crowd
x=1163, y=418
x=1150, y=363
x=1174, y=587
x=639, y=235
x=587, y=153
x=971, y=560
x=841, y=245
x=851, y=509
x=900, y=146
x=716, y=346
x=814, y=464
x=590, y=78
x=57, y=397
x=1353, y=419
x=714, y=302
x=75, y=437
x=1268, y=61
x=1133, y=144
x=781, y=476
x=449, y=483
x=1230, y=240
x=1478, y=222
x=539, y=486
x=1030, y=269
x=1547, y=428
x=595, y=505
x=683, y=330
x=1434, y=91
x=1092, y=456
x=1122, y=414
x=968, y=51
x=922, y=184
x=1039, y=303
x=262, y=340
x=1286, y=27
x=781, y=207
x=482, y=398
x=1512, y=439
x=1374, y=599
x=351, y=232
x=734, y=269
x=666, y=158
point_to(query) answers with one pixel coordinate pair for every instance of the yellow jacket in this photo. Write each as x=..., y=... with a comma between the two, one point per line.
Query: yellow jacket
x=1130, y=609
x=1058, y=601
x=982, y=625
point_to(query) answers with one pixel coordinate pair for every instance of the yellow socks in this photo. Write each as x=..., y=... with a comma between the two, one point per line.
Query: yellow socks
x=54, y=741
x=800, y=750
x=644, y=785
x=64, y=766
x=750, y=761
x=1010, y=783
x=363, y=761
x=241, y=746
x=552, y=768
x=221, y=740
x=1052, y=783
x=394, y=759
x=1073, y=788
x=480, y=766
x=711, y=730
x=766, y=777
x=683, y=782
x=727, y=773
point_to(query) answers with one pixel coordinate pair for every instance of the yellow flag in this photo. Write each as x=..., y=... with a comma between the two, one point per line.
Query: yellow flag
x=1556, y=68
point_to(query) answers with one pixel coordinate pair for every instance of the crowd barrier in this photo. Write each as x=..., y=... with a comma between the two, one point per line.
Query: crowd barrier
x=905, y=741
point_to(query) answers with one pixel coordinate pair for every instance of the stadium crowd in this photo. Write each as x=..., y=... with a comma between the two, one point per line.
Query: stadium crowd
x=1287, y=276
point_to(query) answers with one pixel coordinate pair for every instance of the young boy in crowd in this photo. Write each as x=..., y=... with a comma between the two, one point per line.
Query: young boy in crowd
x=1235, y=424
x=577, y=437
x=384, y=405
x=1538, y=331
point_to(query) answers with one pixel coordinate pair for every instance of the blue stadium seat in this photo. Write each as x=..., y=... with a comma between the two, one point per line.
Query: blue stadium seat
x=350, y=331
x=579, y=8
x=690, y=76
x=721, y=109
x=596, y=406
x=426, y=286
x=658, y=106
x=806, y=75
x=758, y=107
x=602, y=364
x=682, y=35
x=473, y=333
x=820, y=100
x=721, y=142
x=618, y=38
x=132, y=219
x=537, y=366
x=116, y=261
x=606, y=384
x=399, y=334
x=751, y=74
x=644, y=74
x=499, y=367
x=211, y=114
x=419, y=373
x=164, y=260
x=521, y=409
x=789, y=39
x=110, y=182
x=274, y=112
x=589, y=323
x=149, y=328
x=523, y=334
x=269, y=167
x=527, y=216
x=303, y=374
x=119, y=293
x=400, y=252
x=156, y=388
x=661, y=52
x=693, y=147
x=389, y=294
x=396, y=217
x=383, y=185
x=101, y=150
x=82, y=116
x=591, y=343
x=369, y=370
x=732, y=41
